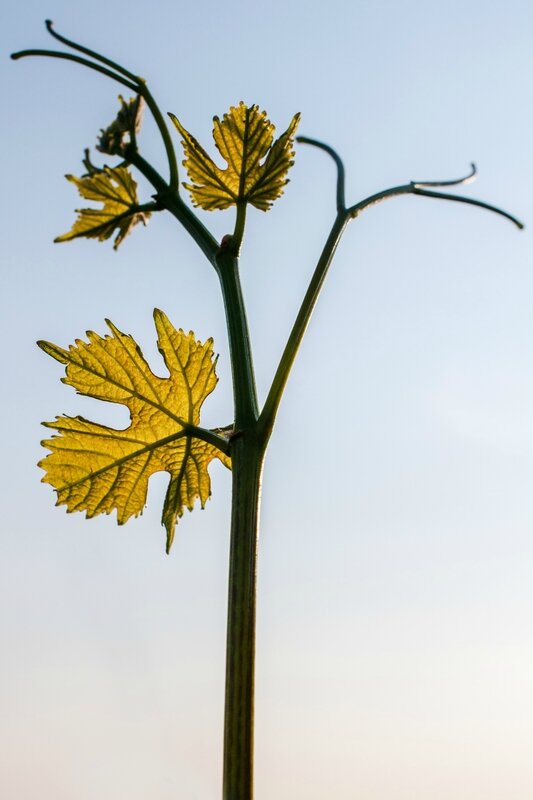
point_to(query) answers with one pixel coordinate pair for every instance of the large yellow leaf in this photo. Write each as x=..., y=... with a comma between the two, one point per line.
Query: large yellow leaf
x=117, y=190
x=256, y=169
x=97, y=469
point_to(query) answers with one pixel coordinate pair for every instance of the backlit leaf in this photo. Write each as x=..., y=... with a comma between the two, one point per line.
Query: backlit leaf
x=97, y=469
x=257, y=166
x=120, y=212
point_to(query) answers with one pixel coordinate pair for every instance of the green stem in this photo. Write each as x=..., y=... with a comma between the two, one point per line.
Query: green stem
x=125, y=77
x=91, y=53
x=244, y=391
x=247, y=455
x=247, y=464
x=238, y=232
x=418, y=189
x=341, y=176
x=172, y=202
x=78, y=60
x=165, y=134
x=469, y=201
x=142, y=89
x=268, y=415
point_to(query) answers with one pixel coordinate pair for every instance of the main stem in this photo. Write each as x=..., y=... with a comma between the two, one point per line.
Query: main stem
x=247, y=456
x=247, y=467
x=244, y=391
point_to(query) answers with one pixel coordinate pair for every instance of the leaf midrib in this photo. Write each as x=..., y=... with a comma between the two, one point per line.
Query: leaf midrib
x=149, y=448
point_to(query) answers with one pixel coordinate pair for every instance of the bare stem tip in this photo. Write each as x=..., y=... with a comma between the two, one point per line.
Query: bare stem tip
x=456, y=182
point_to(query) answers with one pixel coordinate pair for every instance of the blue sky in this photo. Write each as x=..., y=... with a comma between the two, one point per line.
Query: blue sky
x=395, y=652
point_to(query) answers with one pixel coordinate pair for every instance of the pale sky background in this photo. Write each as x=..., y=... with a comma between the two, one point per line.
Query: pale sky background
x=395, y=641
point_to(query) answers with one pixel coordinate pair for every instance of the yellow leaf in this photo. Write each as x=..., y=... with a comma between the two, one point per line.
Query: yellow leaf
x=256, y=169
x=117, y=190
x=97, y=469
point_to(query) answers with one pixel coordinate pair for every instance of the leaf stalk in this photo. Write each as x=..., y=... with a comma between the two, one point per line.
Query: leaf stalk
x=238, y=233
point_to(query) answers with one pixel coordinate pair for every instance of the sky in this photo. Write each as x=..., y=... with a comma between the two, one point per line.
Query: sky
x=395, y=648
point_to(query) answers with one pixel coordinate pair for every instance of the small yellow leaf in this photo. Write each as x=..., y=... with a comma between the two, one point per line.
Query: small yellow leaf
x=97, y=469
x=117, y=190
x=256, y=169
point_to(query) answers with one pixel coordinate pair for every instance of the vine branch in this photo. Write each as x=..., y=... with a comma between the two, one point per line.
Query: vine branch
x=125, y=77
x=345, y=215
x=78, y=60
x=92, y=53
x=417, y=189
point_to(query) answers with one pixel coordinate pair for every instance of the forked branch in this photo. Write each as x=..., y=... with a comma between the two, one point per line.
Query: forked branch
x=417, y=189
x=119, y=74
x=422, y=188
x=345, y=215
